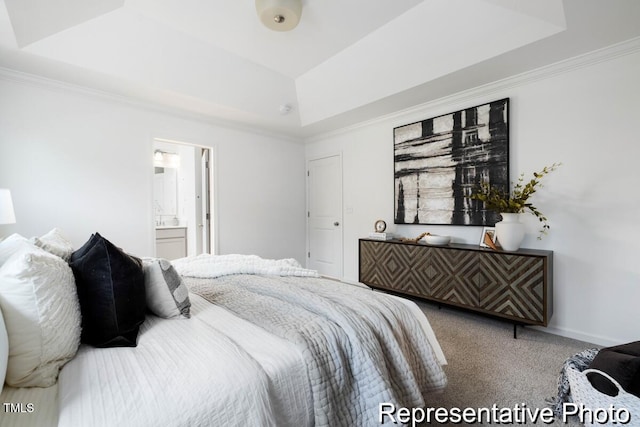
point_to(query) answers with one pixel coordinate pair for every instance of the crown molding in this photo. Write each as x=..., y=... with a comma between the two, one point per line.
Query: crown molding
x=585, y=60
x=582, y=61
x=21, y=77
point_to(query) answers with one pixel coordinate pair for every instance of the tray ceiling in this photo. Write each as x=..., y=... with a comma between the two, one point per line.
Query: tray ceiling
x=347, y=61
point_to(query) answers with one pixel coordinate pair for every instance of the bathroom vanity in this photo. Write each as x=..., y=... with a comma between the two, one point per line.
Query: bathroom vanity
x=171, y=242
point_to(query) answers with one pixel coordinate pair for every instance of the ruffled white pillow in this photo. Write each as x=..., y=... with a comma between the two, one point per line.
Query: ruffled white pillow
x=56, y=243
x=39, y=302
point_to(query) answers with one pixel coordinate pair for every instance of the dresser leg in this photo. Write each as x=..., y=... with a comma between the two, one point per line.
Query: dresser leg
x=515, y=331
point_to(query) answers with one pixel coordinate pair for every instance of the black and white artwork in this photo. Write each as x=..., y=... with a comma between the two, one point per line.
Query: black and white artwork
x=438, y=162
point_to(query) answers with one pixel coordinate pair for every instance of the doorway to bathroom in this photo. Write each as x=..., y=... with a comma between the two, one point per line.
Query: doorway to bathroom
x=182, y=199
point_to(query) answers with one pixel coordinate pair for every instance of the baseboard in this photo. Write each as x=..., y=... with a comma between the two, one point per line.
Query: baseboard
x=596, y=340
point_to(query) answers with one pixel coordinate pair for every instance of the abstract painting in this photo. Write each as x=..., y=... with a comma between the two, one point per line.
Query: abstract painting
x=439, y=162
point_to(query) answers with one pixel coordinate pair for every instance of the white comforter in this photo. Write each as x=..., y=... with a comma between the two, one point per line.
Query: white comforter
x=213, y=369
x=212, y=266
x=209, y=266
x=361, y=348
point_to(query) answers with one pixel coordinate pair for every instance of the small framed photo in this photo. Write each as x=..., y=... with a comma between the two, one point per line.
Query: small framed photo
x=490, y=233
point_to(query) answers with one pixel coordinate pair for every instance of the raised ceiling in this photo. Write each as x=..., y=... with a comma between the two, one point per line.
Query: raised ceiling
x=347, y=61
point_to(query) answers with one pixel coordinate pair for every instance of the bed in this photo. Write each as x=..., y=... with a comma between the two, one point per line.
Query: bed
x=265, y=343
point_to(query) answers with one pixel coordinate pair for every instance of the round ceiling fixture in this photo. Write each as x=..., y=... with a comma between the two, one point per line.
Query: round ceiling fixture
x=279, y=15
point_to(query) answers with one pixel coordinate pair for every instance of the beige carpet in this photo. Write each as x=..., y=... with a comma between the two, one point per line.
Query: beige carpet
x=486, y=366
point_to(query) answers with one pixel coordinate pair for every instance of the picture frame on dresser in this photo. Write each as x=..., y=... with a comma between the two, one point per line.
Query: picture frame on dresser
x=491, y=231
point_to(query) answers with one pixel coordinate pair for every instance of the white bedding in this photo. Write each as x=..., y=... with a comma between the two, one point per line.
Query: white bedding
x=32, y=407
x=185, y=372
x=361, y=347
x=426, y=327
x=419, y=315
x=211, y=266
x=208, y=266
x=188, y=372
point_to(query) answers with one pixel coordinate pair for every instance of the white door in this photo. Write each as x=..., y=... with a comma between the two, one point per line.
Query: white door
x=203, y=202
x=325, y=215
x=205, y=208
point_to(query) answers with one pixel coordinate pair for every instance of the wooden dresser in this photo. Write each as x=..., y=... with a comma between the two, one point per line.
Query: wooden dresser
x=513, y=285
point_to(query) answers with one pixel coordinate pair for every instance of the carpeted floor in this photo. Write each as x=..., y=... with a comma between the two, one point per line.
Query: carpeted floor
x=487, y=366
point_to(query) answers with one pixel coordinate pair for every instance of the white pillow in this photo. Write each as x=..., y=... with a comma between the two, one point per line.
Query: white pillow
x=56, y=243
x=4, y=351
x=166, y=294
x=39, y=302
x=11, y=245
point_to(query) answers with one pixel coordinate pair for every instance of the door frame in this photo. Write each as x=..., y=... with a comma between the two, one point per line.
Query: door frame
x=337, y=154
x=213, y=193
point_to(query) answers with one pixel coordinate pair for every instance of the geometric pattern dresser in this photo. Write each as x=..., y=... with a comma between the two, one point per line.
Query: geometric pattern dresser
x=513, y=285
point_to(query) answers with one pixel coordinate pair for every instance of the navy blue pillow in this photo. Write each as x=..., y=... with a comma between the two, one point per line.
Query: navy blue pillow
x=111, y=291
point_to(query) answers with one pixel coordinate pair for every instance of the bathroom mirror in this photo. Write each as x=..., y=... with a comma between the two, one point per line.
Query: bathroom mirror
x=165, y=185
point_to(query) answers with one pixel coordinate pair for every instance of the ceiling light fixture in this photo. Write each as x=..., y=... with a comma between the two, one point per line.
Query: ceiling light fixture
x=279, y=15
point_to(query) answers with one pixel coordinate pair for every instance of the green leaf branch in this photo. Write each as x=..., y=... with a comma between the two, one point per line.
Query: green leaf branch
x=516, y=201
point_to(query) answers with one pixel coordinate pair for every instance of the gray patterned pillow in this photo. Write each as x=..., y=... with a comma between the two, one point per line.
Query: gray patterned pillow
x=167, y=295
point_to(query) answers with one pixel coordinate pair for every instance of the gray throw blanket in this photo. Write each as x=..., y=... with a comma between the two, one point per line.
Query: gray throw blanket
x=361, y=348
x=579, y=361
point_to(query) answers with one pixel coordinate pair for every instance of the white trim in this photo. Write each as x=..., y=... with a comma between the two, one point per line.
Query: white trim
x=548, y=71
x=213, y=202
x=581, y=61
x=213, y=190
x=576, y=335
x=152, y=190
x=176, y=142
x=22, y=77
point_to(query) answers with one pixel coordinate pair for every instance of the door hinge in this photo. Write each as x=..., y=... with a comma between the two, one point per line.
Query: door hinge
x=308, y=254
x=307, y=173
x=308, y=214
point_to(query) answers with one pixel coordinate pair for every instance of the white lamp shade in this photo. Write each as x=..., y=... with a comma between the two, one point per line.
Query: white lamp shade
x=7, y=216
x=279, y=15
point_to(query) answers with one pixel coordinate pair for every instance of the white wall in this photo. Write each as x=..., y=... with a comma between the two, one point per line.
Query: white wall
x=585, y=117
x=84, y=163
